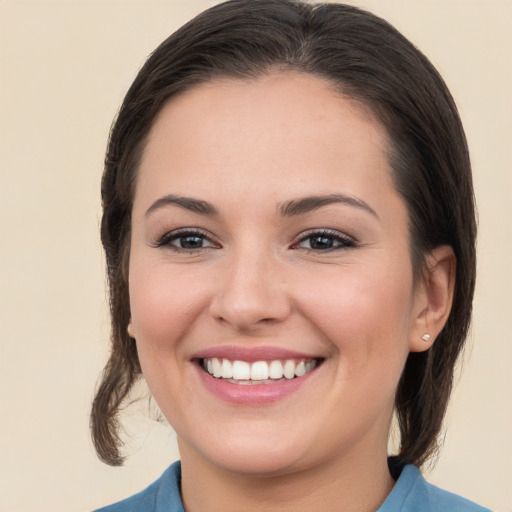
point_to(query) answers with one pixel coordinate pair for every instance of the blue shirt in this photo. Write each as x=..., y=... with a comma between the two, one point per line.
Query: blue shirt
x=411, y=493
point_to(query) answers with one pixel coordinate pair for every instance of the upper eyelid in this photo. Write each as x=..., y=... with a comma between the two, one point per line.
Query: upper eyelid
x=176, y=233
x=346, y=241
x=325, y=231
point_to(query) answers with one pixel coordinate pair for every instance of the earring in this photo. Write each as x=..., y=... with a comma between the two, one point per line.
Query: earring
x=426, y=337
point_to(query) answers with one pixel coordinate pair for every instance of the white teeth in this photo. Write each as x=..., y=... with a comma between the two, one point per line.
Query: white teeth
x=227, y=369
x=289, y=369
x=259, y=371
x=275, y=370
x=300, y=369
x=241, y=370
x=217, y=367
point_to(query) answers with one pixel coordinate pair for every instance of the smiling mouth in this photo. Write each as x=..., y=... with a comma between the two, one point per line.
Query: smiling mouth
x=258, y=372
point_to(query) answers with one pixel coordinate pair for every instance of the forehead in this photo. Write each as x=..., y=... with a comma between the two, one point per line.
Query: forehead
x=277, y=132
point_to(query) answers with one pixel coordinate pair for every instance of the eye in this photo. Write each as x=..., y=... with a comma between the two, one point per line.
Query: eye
x=325, y=240
x=190, y=240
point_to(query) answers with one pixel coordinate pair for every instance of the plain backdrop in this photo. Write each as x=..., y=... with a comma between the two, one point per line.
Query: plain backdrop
x=64, y=68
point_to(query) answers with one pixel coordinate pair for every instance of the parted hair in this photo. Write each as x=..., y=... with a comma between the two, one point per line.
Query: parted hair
x=370, y=62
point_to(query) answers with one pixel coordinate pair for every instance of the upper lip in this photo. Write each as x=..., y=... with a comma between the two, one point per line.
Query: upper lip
x=251, y=354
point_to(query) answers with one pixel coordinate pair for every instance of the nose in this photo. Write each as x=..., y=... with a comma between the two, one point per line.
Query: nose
x=251, y=293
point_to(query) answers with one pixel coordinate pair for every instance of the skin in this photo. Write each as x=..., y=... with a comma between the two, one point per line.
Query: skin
x=248, y=148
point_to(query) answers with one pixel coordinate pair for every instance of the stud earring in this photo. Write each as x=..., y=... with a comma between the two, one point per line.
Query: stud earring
x=426, y=337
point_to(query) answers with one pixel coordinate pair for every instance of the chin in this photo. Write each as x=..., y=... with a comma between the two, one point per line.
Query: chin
x=269, y=457
x=262, y=465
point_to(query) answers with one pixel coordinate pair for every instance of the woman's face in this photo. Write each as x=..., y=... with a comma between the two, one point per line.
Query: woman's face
x=268, y=241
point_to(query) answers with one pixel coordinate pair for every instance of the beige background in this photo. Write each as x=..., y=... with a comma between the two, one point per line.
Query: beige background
x=64, y=68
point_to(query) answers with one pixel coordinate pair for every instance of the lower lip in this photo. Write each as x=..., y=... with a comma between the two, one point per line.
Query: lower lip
x=253, y=394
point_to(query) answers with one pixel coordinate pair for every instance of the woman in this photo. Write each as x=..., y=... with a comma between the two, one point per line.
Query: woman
x=290, y=237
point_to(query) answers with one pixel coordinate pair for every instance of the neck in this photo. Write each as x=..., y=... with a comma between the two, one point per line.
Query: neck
x=354, y=484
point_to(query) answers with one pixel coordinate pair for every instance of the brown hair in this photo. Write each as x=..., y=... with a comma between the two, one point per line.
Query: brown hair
x=369, y=61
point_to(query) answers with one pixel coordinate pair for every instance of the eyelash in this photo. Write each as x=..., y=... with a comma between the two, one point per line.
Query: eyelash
x=168, y=238
x=343, y=241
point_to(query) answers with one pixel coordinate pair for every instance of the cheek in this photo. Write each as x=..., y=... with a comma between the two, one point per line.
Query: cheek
x=163, y=305
x=365, y=317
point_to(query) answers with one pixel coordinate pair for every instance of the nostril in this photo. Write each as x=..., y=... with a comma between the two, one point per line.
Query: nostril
x=246, y=305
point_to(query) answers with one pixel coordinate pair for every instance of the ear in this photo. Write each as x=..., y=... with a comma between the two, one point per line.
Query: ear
x=129, y=328
x=433, y=298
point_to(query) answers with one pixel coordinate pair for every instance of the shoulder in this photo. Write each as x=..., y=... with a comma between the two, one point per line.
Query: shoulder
x=412, y=493
x=162, y=494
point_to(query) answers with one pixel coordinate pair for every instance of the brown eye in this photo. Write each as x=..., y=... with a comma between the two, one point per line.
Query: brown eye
x=189, y=242
x=321, y=242
x=325, y=240
x=186, y=240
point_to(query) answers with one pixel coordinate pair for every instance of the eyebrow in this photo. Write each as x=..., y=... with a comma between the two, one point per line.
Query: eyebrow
x=188, y=203
x=311, y=203
x=288, y=209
